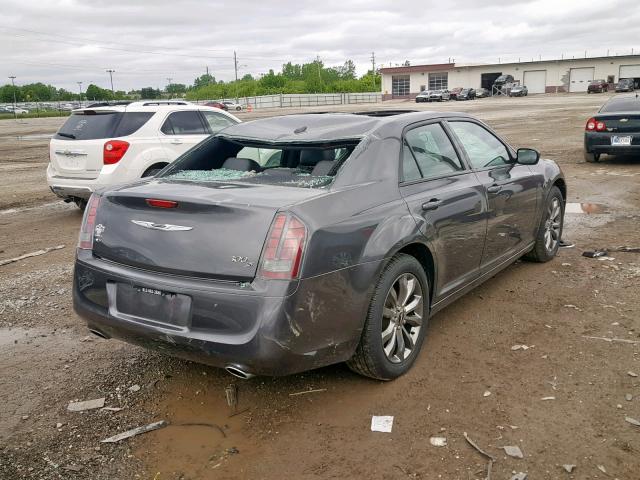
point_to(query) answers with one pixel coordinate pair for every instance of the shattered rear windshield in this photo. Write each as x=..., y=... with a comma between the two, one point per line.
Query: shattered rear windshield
x=220, y=159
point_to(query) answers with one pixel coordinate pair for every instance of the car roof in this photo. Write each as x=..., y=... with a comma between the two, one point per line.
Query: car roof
x=145, y=106
x=622, y=103
x=326, y=127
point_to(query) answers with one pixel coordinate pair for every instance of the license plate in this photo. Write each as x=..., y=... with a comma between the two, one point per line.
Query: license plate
x=154, y=304
x=615, y=140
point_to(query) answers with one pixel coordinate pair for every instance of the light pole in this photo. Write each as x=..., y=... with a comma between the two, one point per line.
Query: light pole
x=80, y=90
x=13, y=84
x=111, y=72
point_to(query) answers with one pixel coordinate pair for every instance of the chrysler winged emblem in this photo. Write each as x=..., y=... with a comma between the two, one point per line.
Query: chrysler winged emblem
x=165, y=227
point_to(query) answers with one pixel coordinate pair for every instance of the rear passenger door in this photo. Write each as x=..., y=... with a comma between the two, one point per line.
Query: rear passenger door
x=511, y=191
x=182, y=130
x=216, y=121
x=447, y=202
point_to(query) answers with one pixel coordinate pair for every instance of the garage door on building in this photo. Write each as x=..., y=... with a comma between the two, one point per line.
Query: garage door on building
x=579, y=79
x=535, y=81
x=629, y=71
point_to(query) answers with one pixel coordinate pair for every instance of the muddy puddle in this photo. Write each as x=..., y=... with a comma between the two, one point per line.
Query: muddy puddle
x=204, y=436
x=586, y=208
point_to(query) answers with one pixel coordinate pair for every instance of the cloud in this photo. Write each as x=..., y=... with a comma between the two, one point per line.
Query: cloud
x=146, y=41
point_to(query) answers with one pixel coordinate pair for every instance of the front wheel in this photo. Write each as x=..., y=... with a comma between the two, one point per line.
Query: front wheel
x=396, y=322
x=550, y=229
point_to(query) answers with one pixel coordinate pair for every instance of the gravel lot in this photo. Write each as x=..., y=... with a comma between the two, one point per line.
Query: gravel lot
x=563, y=400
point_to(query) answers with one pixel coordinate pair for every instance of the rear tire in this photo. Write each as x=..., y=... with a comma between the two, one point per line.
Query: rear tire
x=81, y=203
x=591, y=157
x=550, y=229
x=396, y=322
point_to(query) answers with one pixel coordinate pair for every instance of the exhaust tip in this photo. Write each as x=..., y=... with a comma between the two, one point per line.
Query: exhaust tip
x=238, y=372
x=98, y=333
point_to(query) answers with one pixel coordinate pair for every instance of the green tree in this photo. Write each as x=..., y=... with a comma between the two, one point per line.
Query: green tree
x=176, y=88
x=148, y=93
x=96, y=93
x=204, y=80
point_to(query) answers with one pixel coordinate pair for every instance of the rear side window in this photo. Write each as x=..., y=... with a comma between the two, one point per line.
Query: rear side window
x=183, y=123
x=89, y=126
x=131, y=122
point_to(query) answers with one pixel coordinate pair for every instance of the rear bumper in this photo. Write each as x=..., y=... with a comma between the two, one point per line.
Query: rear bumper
x=310, y=325
x=600, y=143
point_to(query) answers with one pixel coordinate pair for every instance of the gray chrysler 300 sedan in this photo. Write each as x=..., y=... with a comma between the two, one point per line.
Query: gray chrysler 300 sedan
x=290, y=243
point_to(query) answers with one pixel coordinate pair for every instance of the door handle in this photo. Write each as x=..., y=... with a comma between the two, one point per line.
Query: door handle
x=176, y=142
x=432, y=204
x=494, y=188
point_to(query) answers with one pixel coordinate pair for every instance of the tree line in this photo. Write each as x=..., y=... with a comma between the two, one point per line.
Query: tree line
x=313, y=77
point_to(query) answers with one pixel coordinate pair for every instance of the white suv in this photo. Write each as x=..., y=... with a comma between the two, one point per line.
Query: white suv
x=104, y=144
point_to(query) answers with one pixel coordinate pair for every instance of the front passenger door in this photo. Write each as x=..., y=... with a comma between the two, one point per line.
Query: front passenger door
x=511, y=191
x=447, y=202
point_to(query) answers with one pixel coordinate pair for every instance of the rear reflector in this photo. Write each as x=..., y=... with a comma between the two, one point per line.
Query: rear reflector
x=284, y=248
x=85, y=241
x=113, y=151
x=154, y=202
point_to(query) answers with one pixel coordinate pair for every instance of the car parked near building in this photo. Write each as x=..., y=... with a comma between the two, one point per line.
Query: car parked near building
x=614, y=130
x=482, y=93
x=453, y=93
x=423, y=96
x=466, y=94
x=598, y=86
x=110, y=144
x=502, y=81
x=625, y=85
x=338, y=245
x=518, y=91
x=439, y=95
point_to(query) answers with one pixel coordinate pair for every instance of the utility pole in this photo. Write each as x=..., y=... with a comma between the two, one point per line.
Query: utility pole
x=319, y=75
x=111, y=72
x=80, y=90
x=13, y=84
x=373, y=69
x=235, y=68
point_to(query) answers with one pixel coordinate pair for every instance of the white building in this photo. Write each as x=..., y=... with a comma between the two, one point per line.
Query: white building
x=547, y=76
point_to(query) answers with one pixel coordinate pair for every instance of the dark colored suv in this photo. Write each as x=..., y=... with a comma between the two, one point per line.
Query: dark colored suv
x=598, y=86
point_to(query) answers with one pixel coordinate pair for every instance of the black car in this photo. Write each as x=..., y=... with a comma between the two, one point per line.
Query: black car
x=625, y=85
x=466, y=94
x=502, y=81
x=614, y=130
x=289, y=243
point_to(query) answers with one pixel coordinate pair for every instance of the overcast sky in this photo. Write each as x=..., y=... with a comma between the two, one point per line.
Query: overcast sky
x=147, y=41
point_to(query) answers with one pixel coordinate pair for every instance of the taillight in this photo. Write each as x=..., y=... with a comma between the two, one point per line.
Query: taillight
x=285, y=245
x=155, y=202
x=595, y=125
x=89, y=223
x=113, y=151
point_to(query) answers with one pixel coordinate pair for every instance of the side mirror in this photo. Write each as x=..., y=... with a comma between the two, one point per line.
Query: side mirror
x=527, y=156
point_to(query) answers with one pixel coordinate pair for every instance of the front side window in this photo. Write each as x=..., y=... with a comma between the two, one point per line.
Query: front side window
x=483, y=149
x=183, y=123
x=432, y=150
x=217, y=121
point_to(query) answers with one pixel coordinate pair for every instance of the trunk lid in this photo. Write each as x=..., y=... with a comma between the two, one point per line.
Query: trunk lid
x=76, y=150
x=217, y=230
x=621, y=122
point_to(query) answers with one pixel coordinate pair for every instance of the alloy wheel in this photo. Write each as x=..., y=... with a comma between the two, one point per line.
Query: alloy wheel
x=553, y=225
x=402, y=318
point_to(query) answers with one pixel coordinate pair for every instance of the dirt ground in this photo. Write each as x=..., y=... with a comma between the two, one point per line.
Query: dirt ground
x=563, y=400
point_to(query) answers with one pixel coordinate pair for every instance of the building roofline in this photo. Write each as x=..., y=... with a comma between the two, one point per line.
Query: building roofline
x=452, y=66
